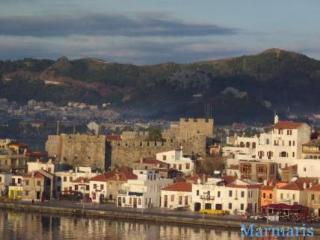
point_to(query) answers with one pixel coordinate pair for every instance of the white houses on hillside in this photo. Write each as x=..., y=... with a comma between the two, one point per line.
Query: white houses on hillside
x=283, y=143
x=176, y=160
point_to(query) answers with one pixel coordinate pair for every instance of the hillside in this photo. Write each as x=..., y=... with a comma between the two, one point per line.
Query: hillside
x=246, y=88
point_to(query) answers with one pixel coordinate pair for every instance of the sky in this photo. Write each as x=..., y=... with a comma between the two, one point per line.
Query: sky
x=156, y=31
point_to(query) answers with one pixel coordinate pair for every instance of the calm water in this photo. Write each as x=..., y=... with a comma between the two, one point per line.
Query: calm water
x=27, y=226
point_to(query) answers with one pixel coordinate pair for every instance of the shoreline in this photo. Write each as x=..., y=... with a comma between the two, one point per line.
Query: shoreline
x=134, y=216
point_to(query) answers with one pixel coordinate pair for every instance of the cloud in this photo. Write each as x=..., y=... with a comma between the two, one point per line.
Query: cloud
x=108, y=25
x=150, y=50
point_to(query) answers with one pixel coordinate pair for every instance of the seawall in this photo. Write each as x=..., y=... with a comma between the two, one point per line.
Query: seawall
x=201, y=221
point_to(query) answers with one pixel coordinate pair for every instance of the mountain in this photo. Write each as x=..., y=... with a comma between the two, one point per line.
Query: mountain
x=246, y=88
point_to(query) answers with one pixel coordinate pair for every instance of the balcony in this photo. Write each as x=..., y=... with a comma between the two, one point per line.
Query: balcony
x=206, y=197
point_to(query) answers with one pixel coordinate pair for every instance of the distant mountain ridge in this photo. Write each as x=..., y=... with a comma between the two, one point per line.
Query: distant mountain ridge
x=246, y=88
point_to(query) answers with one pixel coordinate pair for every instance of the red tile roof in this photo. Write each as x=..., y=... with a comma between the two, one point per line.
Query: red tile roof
x=314, y=188
x=179, y=187
x=121, y=174
x=229, y=179
x=233, y=185
x=287, y=125
x=267, y=187
x=113, y=137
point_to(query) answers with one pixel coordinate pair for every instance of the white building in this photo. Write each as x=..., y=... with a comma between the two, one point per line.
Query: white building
x=106, y=186
x=294, y=191
x=37, y=165
x=143, y=192
x=281, y=144
x=67, y=178
x=238, y=197
x=177, y=195
x=176, y=160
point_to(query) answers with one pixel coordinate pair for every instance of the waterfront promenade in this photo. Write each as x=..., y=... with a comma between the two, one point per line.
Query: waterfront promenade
x=156, y=215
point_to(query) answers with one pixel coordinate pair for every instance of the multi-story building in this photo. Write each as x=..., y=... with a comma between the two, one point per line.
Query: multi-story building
x=258, y=171
x=143, y=192
x=176, y=160
x=294, y=191
x=313, y=199
x=13, y=157
x=65, y=179
x=238, y=197
x=38, y=186
x=177, y=195
x=105, y=187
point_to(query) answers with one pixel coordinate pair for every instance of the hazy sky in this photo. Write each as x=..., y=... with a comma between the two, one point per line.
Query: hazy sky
x=153, y=31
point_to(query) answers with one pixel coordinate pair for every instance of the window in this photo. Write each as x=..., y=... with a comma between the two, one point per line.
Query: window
x=230, y=193
x=312, y=197
x=101, y=186
x=139, y=201
x=70, y=179
x=264, y=195
x=76, y=187
x=186, y=200
x=38, y=183
x=172, y=198
x=293, y=154
x=242, y=194
x=124, y=200
x=293, y=196
x=304, y=169
x=94, y=186
x=187, y=165
x=180, y=200
x=289, y=143
x=281, y=195
x=241, y=206
x=26, y=193
x=218, y=193
x=230, y=206
x=0, y=179
x=270, y=196
x=180, y=166
x=197, y=192
x=164, y=157
x=64, y=179
x=293, y=143
x=130, y=201
x=27, y=182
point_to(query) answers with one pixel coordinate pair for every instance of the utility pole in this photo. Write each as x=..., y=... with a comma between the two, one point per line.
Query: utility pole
x=58, y=127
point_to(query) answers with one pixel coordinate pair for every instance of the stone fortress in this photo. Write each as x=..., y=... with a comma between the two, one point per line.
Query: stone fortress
x=99, y=151
x=192, y=134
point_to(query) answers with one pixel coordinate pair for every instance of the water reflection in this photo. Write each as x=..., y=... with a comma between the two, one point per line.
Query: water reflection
x=29, y=226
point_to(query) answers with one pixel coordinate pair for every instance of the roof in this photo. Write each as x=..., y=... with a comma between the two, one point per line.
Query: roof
x=229, y=179
x=179, y=187
x=298, y=185
x=37, y=174
x=113, y=137
x=287, y=125
x=120, y=174
x=313, y=143
x=315, y=188
x=81, y=180
x=267, y=187
x=151, y=161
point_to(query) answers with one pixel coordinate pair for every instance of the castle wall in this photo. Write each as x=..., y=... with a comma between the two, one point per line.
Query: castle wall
x=78, y=150
x=125, y=153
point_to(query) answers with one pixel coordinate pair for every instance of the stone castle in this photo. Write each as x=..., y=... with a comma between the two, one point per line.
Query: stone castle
x=192, y=134
x=78, y=149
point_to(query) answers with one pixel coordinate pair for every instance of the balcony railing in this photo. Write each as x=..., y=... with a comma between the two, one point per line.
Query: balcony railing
x=206, y=197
